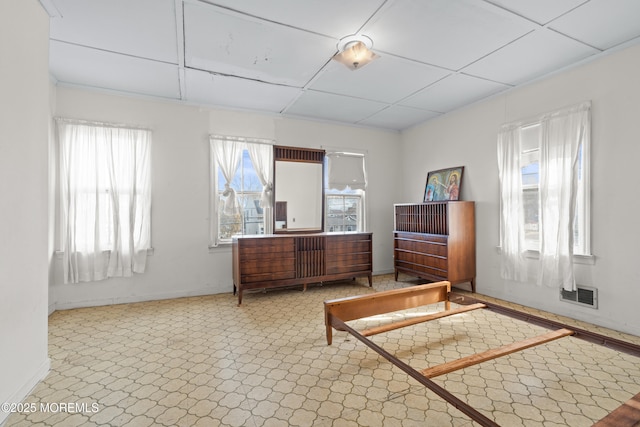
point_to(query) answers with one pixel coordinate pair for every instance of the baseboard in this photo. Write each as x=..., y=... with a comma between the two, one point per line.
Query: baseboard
x=131, y=299
x=382, y=272
x=143, y=298
x=26, y=389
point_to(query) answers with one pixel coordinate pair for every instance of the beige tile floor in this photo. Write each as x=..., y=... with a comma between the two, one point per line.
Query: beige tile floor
x=204, y=361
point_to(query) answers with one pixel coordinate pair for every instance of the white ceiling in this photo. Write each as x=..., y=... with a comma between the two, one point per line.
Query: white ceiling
x=275, y=56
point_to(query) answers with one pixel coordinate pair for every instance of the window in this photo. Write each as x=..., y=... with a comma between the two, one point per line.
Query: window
x=249, y=218
x=530, y=173
x=345, y=192
x=105, y=200
x=543, y=168
x=241, y=181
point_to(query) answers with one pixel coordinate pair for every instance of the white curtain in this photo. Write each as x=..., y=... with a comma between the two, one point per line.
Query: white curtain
x=512, y=243
x=262, y=158
x=105, y=177
x=225, y=153
x=228, y=153
x=562, y=133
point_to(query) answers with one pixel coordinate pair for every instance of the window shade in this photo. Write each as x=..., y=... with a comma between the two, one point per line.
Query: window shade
x=346, y=169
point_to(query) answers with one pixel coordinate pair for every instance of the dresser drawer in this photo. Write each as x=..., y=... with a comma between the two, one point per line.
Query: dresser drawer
x=433, y=238
x=421, y=259
x=344, y=244
x=420, y=247
x=267, y=276
x=349, y=263
x=269, y=256
x=261, y=269
x=422, y=270
x=263, y=246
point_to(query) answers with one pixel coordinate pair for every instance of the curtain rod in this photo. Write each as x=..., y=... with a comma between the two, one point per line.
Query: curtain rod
x=264, y=141
x=102, y=124
x=347, y=151
x=529, y=121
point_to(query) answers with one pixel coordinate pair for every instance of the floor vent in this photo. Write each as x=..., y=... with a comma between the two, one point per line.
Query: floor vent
x=584, y=295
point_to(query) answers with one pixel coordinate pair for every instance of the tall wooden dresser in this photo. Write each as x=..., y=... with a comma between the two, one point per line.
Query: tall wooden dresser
x=277, y=260
x=436, y=241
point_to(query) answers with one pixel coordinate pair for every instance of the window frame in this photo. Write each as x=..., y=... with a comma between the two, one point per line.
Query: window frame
x=215, y=203
x=582, y=220
x=347, y=191
x=241, y=196
x=344, y=194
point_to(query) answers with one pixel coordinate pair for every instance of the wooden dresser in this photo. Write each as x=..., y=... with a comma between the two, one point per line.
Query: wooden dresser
x=436, y=241
x=276, y=260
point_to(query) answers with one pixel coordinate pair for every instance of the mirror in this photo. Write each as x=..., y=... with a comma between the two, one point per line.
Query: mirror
x=298, y=190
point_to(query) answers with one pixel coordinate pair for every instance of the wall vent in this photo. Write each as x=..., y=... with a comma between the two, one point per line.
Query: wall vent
x=584, y=295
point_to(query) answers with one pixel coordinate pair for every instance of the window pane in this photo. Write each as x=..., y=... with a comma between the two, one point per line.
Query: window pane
x=531, y=203
x=230, y=225
x=530, y=172
x=342, y=212
x=250, y=180
x=252, y=213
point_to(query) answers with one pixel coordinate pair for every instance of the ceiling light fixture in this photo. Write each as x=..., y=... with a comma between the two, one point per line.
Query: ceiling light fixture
x=353, y=51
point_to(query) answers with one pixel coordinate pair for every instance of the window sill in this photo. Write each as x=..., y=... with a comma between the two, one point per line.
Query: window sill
x=222, y=247
x=577, y=259
x=58, y=253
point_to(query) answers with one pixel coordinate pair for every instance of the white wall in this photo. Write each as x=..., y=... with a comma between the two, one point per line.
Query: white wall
x=182, y=264
x=24, y=126
x=468, y=137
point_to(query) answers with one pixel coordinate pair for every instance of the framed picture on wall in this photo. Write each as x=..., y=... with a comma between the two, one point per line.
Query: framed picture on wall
x=443, y=184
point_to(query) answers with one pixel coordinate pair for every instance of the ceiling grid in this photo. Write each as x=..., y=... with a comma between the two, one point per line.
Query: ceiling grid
x=435, y=56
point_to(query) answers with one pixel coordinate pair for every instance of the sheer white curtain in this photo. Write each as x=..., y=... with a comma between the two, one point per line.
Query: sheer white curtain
x=105, y=193
x=262, y=158
x=562, y=133
x=512, y=243
x=225, y=153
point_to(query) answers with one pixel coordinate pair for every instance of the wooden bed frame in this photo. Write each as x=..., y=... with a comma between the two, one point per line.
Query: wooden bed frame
x=342, y=310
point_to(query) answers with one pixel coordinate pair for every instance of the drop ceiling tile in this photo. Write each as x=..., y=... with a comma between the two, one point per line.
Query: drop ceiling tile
x=333, y=107
x=144, y=28
x=602, y=23
x=280, y=50
x=453, y=92
x=233, y=92
x=534, y=55
x=228, y=43
x=84, y=66
x=387, y=79
x=335, y=18
x=445, y=33
x=540, y=11
x=398, y=117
